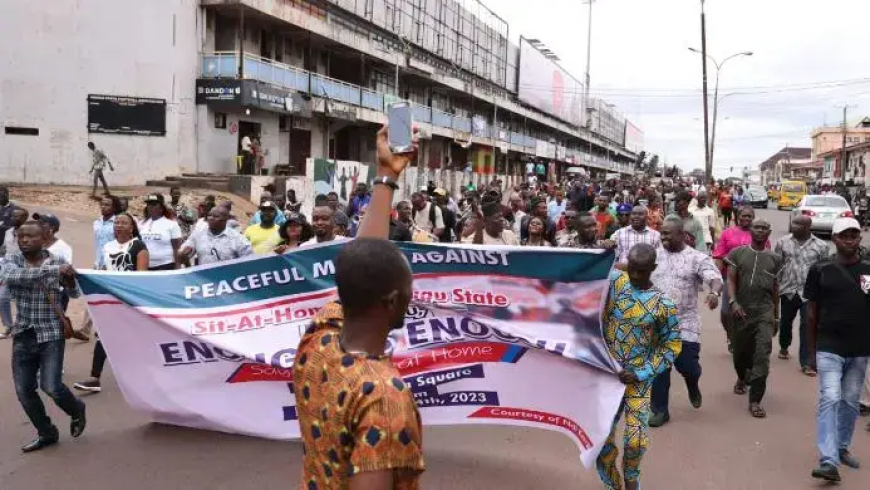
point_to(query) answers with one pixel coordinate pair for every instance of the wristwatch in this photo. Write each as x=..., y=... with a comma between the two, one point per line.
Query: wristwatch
x=384, y=180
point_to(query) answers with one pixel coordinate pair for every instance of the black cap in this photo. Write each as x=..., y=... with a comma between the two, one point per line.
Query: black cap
x=49, y=219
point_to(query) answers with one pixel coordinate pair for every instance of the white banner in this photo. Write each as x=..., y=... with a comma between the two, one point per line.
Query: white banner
x=493, y=336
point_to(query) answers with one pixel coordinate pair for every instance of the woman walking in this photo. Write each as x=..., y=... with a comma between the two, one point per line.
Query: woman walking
x=160, y=234
x=126, y=253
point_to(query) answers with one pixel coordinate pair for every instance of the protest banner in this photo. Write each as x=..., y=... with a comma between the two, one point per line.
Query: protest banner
x=494, y=335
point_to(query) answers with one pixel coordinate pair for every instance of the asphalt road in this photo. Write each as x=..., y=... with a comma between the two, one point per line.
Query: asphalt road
x=719, y=446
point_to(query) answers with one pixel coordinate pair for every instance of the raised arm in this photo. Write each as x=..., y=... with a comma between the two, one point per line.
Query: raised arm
x=376, y=223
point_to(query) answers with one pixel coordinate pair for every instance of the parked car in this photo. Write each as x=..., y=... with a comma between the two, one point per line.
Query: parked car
x=757, y=196
x=823, y=210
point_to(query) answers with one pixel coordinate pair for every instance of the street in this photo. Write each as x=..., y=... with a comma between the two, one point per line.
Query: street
x=719, y=446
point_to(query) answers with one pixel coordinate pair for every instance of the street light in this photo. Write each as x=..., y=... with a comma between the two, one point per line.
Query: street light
x=716, y=98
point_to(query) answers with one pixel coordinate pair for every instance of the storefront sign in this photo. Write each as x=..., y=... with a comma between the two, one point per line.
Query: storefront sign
x=219, y=92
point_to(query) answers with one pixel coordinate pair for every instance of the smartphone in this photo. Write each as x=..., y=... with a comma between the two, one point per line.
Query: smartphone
x=400, y=124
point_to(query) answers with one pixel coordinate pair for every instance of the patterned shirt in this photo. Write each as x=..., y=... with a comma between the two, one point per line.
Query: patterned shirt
x=628, y=237
x=100, y=161
x=641, y=328
x=797, y=259
x=356, y=414
x=680, y=276
x=27, y=287
x=104, y=232
x=210, y=248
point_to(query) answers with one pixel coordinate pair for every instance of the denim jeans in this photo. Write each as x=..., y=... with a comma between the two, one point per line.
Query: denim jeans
x=5, y=307
x=790, y=307
x=840, y=382
x=688, y=363
x=32, y=360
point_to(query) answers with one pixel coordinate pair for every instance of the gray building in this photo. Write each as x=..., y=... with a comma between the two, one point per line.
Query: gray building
x=168, y=87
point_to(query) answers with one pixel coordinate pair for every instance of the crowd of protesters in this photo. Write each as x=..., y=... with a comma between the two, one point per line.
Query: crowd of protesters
x=673, y=243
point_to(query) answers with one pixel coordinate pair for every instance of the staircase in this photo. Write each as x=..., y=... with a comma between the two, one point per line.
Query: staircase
x=215, y=182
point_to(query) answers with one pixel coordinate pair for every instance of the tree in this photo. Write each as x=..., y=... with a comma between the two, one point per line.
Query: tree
x=640, y=163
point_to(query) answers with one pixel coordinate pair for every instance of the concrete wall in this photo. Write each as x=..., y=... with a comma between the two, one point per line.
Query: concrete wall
x=53, y=54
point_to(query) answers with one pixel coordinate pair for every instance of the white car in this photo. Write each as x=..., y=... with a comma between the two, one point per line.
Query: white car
x=823, y=210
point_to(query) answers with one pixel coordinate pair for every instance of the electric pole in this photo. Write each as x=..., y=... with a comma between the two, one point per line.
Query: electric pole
x=587, y=107
x=843, y=149
x=708, y=163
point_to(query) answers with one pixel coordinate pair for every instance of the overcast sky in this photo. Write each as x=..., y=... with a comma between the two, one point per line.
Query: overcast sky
x=641, y=62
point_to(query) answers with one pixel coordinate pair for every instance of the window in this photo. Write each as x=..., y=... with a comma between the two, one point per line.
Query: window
x=220, y=120
x=21, y=131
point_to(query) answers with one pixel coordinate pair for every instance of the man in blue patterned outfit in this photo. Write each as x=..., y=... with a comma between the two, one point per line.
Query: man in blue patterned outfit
x=642, y=332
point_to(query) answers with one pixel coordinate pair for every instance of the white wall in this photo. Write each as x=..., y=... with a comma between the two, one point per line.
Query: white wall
x=53, y=54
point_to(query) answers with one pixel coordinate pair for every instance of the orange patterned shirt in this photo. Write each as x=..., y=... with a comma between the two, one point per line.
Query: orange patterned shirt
x=356, y=414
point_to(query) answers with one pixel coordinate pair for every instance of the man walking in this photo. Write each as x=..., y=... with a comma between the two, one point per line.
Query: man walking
x=100, y=162
x=798, y=251
x=9, y=248
x=217, y=243
x=637, y=232
x=263, y=236
x=34, y=276
x=692, y=227
x=680, y=273
x=642, y=332
x=707, y=216
x=752, y=285
x=838, y=307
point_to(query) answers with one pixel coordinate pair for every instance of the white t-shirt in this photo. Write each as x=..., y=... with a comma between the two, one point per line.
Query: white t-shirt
x=507, y=238
x=707, y=218
x=61, y=249
x=157, y=236
x=421, y=219
x=246, y=143
x=313, y=241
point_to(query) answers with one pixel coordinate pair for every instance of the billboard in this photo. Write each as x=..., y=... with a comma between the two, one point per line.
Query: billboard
x=115, y=114
x=633, y=138
x=545, y=86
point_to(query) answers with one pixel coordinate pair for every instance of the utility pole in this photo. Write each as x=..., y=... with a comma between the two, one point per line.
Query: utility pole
x=843, y=162
x=708, y=163
x=586, y=107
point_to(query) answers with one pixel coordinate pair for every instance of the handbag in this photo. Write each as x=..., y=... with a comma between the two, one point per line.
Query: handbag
x=64, y=320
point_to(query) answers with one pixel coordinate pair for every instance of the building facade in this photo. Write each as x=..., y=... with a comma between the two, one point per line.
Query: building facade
x=177, y=89
x=784, y=165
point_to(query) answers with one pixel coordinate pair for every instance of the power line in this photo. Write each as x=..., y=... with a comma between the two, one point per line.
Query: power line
x=663, y=94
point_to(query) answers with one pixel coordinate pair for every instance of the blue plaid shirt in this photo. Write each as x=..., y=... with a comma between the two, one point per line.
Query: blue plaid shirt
x=27, y=288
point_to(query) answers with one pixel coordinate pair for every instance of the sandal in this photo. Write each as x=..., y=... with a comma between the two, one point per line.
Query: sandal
x=809, y=371
x=756, y=411
x=740, y=388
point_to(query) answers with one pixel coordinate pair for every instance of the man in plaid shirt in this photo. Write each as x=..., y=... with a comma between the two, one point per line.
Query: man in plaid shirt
x=38, y=338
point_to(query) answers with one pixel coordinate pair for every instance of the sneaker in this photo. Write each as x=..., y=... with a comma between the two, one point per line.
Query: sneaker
x=92, y=385
x=827, y=472
x=847, y=459
x=659, y=419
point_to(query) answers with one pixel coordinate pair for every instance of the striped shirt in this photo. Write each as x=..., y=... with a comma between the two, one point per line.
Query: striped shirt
x=628, y=237
x=797, y=258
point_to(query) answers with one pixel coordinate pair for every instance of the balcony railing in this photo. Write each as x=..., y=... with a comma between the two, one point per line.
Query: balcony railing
x=226, y=65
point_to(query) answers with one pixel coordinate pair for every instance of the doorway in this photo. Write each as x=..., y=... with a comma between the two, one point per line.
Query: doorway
x=250, y=164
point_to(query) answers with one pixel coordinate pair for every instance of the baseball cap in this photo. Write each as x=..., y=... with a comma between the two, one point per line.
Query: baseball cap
x=267, y=205
x=154, y=198
x=49, y=219
x=440, y=192
x=295, y=218
x=623, y=209
x=843, y=224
